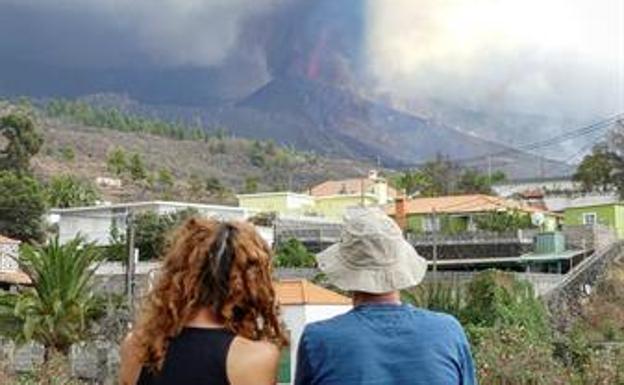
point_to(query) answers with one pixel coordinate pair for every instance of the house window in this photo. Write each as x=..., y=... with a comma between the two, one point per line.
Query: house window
x=590, y=219
x=431, y=224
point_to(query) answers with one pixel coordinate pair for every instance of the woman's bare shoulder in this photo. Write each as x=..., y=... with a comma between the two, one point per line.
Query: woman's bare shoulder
x=252, y=362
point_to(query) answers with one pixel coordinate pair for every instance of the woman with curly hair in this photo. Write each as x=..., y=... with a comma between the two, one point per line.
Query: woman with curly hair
x=212, y=315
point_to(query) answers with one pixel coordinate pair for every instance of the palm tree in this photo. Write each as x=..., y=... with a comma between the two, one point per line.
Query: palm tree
x=59, y=308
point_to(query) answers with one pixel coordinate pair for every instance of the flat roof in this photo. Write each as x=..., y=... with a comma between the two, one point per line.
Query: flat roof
x=588, y=206
x=275, y=193
x=144, y=204
x=529, y=257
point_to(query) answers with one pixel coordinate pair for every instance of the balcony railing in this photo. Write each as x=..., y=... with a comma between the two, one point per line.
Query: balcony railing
x=473, y=238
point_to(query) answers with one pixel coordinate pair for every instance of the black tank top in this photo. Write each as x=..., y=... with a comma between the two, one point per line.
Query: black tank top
x=196, y=356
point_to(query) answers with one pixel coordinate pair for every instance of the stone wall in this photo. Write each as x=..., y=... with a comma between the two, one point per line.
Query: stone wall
x=566, y=299
x=8, y=253
x=589, y=237
x=96, y=362
x=542, y=282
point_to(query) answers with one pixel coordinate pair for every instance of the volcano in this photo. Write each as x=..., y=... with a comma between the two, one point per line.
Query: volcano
x=338, y=121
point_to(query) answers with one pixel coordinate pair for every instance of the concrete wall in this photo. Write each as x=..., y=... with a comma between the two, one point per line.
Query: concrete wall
x=335, y=206
x=582, y=237
x=510, y=188
x=96, y=223
x=8, y=253
x=605, y=215
x=95, y=226
x=297, y=316
x=542, y=283
x=283, y=203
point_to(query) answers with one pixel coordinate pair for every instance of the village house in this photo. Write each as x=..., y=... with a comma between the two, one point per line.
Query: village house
x=610, y=215
x=95, y=222
x=10, y=274
x=329, y=199
x=551, y=185
x=334, y=197
x=284, y=203
x=458, y=213
x=302, y=302
x=446, y=231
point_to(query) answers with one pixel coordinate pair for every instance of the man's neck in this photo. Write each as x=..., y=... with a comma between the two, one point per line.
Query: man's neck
x=360, y=298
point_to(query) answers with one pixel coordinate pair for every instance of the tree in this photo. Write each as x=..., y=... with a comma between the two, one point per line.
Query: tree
x=293, y=253
x=165, y=179
x=116, y=161
x=24, y=142
x=57, y=311
x=214, y=185
x=22, y=206
x=502, y=221
x=196, y=186
x=473, y=182
x=444, y=177
x=596, y=171
x=251, y=185
x=69, y=191
x=136, y=168
x=443, y=174
x=415, y=182
x=152, y=231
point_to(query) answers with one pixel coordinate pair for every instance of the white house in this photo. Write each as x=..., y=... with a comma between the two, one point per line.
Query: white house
x=96, y=222
x=303, y=302
x=10, y=273
x=509, y=188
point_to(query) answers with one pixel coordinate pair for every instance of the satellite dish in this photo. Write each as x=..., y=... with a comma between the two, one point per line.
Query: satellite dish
x=537, y=219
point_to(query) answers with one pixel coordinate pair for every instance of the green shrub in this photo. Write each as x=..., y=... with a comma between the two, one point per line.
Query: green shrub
x=69, y=191
x=437, y=296
x=293, y=253
x=494, y=297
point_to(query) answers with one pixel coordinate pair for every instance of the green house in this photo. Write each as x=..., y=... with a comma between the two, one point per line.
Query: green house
x=462, y=213
x=610, y=215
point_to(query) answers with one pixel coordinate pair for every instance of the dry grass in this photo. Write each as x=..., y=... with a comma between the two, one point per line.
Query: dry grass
x=182, y=158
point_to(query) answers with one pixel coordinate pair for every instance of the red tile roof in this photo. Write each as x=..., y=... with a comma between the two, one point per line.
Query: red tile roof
x=454, y=204
x=303, y=292
x=347, y=186
x=4, y=239
x=15, y=278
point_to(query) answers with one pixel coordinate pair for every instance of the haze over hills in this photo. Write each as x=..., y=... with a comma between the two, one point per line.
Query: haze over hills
x=339, y=122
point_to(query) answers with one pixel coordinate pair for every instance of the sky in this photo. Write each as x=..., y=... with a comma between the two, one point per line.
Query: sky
x=558, y=57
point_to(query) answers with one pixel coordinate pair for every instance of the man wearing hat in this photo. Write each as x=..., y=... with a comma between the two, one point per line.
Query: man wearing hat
x=381, y=341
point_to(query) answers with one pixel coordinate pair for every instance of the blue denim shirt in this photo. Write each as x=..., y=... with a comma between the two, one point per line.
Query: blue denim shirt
x=385, y=344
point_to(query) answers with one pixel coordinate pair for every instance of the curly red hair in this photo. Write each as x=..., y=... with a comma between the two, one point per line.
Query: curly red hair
x=240, y=294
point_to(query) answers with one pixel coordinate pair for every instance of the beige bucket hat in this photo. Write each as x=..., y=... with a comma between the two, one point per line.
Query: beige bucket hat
x=372, y=255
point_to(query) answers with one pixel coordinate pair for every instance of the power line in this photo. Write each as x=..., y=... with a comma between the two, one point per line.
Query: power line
x=557, y=139
x=74, y=214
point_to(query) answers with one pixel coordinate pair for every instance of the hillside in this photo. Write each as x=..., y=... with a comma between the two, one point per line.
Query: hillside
x=339, y=122
x=226, y=165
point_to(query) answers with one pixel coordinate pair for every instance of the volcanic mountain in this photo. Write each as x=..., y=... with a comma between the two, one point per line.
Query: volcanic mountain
x=338, y=121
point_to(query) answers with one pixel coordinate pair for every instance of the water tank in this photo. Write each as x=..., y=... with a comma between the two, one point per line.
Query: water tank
x=549, y=243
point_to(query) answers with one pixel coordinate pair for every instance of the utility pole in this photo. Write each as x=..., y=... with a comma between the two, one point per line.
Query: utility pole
x=130, y=266
x=489, y=170
x=434, y=218
x=362, y=192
